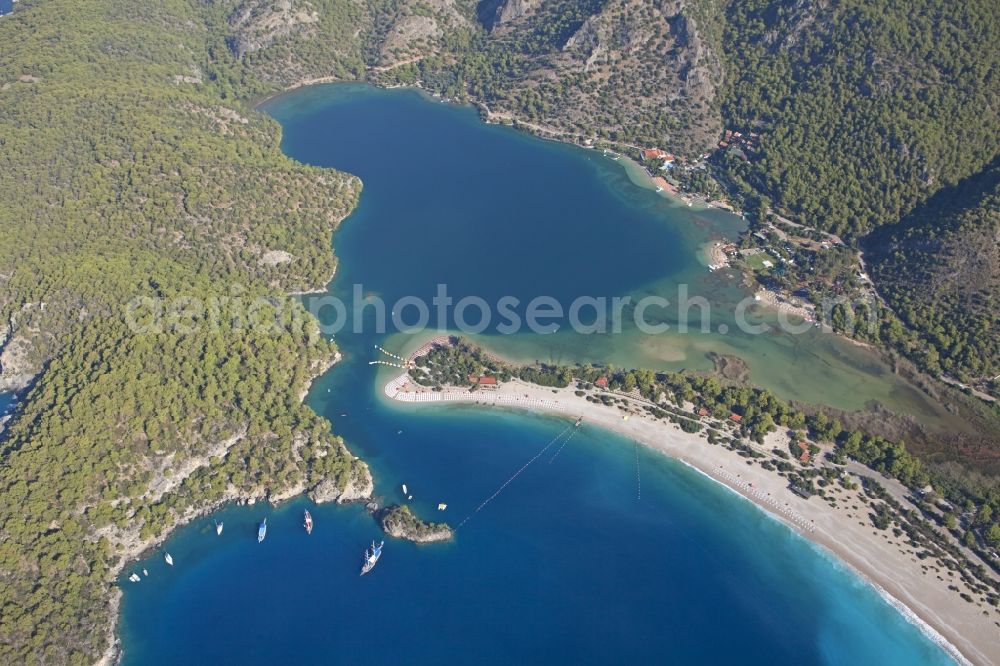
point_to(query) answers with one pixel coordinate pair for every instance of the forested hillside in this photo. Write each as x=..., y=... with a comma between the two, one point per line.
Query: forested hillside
x=939, y=269
x=291, y=41
x=866, y=108
x=631, y=71
x=128, y=169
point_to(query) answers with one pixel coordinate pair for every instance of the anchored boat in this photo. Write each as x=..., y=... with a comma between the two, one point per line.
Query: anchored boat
x=308, y=522
x=218, y=528
x=134, y=578
x=371, y=557
x=262, y=531
x=169, y=560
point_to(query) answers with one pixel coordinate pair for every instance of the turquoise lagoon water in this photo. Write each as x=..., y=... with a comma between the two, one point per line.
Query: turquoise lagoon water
x=607, y=554
x=491, y=212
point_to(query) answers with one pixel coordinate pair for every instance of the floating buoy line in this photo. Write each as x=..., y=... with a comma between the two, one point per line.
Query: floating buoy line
x=407, y=364
x=403, y=364
x=394, y=365
x=562, y=446
x=514, y=476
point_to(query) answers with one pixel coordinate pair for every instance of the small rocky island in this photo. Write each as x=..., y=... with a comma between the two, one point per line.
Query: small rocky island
x=399, y=521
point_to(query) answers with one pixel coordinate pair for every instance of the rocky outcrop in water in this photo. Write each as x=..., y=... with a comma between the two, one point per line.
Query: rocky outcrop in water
x=399, y=522
x=16, y=371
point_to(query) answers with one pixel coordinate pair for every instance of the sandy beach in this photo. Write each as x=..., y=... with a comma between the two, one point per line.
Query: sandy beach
x=773, y=301
x=920, y=591
x=716, y=255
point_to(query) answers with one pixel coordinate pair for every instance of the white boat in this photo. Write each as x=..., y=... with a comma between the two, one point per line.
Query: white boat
x=169, y=560
x=134, y=578
x=405, y=491
x=218, y=528
x=262, y=531
x=145, y=573
x=371, y=557
x=442, y=506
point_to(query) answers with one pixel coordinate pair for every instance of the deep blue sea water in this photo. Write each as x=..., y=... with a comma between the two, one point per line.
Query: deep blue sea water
x=7, y=405
x=571, y=564
x=6, y=402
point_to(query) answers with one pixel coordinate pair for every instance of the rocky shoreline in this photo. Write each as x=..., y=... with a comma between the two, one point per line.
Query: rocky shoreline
x=358, y=489
x=16, y=371
x=399, y=522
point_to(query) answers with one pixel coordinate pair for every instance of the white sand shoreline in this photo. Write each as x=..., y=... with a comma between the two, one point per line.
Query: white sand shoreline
x=956, y=626
x=926, y=629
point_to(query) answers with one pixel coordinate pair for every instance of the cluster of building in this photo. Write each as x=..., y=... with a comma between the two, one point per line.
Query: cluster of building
x=669, y=161
x=748, y=141
x=740, y=142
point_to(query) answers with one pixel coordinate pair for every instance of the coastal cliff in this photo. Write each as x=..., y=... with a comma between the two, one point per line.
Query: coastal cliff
x=359, y=486
x=16, y=372
x=399, y=522
x=25, y=345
